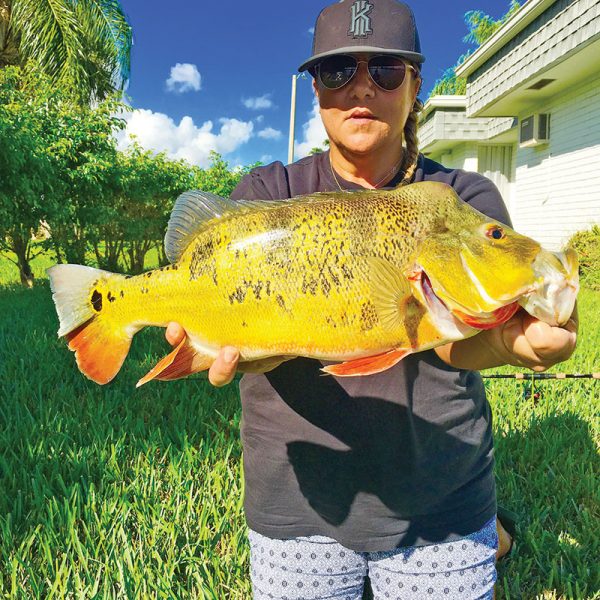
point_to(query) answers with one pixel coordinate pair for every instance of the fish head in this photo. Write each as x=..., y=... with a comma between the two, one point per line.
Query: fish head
x=482, y=270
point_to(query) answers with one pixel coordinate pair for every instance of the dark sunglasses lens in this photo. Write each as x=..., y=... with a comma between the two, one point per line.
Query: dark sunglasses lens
x=387, y=72
x=336, y=71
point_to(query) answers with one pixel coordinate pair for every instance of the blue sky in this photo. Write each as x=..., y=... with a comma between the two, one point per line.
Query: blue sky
x=217, y=75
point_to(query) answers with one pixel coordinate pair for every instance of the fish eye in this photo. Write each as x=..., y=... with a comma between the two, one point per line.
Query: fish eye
x=495, y=232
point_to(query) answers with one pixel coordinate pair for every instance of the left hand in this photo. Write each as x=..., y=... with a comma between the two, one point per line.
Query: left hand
x=524, y=341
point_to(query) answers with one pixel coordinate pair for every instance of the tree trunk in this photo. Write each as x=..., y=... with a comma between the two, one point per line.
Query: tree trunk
x=163, y=261
x=26, y=274
x=21, y=250
x=9, y=51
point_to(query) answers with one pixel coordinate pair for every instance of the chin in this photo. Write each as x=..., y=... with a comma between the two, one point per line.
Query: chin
x=361, y=144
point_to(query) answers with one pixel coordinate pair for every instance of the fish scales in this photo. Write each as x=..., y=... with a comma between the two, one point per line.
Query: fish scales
x=303, y=264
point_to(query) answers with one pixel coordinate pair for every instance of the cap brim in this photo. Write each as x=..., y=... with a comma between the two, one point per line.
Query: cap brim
x=313, y=60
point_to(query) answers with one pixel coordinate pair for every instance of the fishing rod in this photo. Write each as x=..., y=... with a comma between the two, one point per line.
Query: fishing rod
x=529, y=379
x=540, y=376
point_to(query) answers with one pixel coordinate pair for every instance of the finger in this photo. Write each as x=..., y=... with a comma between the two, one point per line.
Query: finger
x=537, y=345
x=518, y=349
x=223, y=369
x=174, y=333
x=550, y=344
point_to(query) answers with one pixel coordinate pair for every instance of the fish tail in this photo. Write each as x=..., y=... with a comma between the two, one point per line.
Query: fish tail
x=100, y=343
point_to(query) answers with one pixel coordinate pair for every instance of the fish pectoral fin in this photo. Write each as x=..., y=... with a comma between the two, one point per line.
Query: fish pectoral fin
x=368, y=365
x=389, y=290
x=183, y=361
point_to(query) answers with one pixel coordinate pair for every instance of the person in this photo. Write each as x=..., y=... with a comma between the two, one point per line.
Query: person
x=389, y=475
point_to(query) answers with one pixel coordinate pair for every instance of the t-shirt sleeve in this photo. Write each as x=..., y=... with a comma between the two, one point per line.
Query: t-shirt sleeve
x=482, y=195
x=263, y=183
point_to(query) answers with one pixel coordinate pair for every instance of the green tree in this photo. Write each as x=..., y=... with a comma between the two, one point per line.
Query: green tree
x=56, y=165
x=482, y=27
x=27, y=192
x=83, y=44
x=148, y=186
x=219, y=178
x=82, y=143
x=317, y=149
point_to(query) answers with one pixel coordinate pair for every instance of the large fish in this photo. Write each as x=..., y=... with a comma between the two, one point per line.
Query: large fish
x=362, y=277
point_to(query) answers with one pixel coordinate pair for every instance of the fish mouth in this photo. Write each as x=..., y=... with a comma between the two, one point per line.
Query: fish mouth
x=553, y=298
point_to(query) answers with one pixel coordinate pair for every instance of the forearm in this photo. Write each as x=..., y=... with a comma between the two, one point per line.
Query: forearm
x=475, y=353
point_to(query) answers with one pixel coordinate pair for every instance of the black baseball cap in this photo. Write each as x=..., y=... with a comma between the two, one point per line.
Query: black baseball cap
x=381, y=26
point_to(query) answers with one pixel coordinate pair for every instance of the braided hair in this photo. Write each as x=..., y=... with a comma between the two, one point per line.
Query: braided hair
x=411, y=154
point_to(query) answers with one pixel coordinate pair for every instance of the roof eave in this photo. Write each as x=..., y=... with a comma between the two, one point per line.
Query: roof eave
x=443, y=101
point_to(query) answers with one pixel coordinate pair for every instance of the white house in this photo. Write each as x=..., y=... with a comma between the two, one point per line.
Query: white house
x=530, y=119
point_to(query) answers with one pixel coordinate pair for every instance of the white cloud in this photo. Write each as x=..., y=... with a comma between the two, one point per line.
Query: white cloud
x=265, y=159
x=184, y=77
x=313, y=133
x=311, y=31
x=268, y=133
x=260, y=118
x=158, y=132
x=259, y=102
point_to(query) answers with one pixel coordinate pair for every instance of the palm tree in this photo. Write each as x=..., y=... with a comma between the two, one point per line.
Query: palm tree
x=84, y=44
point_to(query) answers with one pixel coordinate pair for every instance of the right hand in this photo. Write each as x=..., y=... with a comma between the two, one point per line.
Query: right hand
x=222, y=370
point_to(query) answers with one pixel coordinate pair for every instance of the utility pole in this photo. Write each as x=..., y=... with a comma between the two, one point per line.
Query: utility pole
x=292, y=120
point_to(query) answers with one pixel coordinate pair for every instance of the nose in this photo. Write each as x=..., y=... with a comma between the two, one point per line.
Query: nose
x=362, y=86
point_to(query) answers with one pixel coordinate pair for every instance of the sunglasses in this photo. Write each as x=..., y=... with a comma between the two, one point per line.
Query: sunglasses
x=387, y=72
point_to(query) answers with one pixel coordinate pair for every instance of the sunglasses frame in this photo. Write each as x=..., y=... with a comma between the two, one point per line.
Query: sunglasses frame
x=317, y=71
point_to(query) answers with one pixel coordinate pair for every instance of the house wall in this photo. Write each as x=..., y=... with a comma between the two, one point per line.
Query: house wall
x=557, y=186
x=558, y=31
x=460, y=156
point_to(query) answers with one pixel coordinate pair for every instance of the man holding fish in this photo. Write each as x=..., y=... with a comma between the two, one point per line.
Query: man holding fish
x=384, y=466
x=388, y=474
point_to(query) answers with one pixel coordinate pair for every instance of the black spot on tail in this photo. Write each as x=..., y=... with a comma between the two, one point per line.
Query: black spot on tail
x=97, y=301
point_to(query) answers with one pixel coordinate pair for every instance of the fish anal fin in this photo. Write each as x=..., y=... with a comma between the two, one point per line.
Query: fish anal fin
x=99, y=350
x=181, y=362
x=368, y=365
x=390, y=289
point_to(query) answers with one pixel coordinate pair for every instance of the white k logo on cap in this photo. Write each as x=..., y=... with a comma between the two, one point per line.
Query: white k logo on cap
x=360, y=22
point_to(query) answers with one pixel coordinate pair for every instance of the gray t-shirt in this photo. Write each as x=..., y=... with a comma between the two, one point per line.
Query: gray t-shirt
x=401, y=458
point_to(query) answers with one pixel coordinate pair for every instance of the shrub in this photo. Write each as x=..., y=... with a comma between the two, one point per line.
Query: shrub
x=587, y=245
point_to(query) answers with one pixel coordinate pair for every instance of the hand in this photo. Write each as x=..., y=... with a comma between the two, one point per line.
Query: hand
x=525, y=341
x=223, y=369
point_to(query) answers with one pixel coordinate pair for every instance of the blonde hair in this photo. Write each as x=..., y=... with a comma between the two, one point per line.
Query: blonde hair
x=411, y=154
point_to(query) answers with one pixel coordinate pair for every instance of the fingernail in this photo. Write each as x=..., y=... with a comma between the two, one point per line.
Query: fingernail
x=230, y=356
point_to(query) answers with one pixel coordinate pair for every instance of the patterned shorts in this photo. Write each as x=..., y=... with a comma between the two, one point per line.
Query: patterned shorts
x=316, y=567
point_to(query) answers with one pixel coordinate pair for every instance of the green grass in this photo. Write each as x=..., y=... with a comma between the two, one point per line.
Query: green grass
x=112, y=492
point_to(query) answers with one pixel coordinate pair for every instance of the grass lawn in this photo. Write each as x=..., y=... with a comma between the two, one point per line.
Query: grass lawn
x=113, y=492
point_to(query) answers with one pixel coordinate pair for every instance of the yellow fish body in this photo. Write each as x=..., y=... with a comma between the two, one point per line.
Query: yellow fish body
x=362, y=277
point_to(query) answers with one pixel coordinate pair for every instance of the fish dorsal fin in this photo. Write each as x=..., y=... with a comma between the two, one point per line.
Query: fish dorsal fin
x=191, y=211
x=195, y=208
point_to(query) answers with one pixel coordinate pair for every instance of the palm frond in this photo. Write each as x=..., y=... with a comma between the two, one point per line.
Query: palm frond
x=84, y=44
x=106, y=27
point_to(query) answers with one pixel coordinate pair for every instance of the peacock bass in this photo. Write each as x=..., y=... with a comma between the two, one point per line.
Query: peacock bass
x=363, y=277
